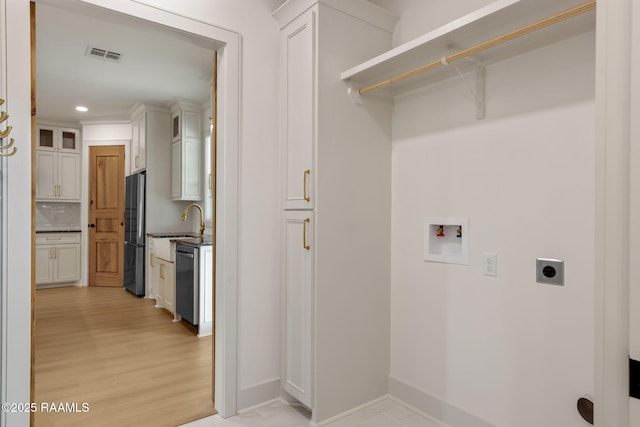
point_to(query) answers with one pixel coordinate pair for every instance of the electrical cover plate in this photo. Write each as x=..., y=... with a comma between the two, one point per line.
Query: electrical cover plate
x=550, y=271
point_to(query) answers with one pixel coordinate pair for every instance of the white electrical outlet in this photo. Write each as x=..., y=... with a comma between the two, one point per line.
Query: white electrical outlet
x=490, y=264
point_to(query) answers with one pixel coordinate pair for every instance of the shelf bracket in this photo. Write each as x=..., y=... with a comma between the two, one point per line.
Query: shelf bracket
x=478, y=95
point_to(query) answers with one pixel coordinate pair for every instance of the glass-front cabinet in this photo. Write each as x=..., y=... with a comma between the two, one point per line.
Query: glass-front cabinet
x=56, y=138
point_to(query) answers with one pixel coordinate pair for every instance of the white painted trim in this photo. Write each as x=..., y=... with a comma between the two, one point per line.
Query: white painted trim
x=613, y=49
x=359, y=9
x=350, y=411
x=262, y=405
x=229, y=45
x=433, y=406
x=257, y=394
x=15, y=88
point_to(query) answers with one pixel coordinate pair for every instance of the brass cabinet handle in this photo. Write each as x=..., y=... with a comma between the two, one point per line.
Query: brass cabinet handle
x=306, y=184
x=3, y=116
x=137, y=162
x=304, y=234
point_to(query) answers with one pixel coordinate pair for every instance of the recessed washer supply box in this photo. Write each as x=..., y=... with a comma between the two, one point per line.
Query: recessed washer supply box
x=446, y=240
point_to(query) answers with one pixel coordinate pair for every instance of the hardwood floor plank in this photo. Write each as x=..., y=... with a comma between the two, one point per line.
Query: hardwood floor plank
x=127, y=359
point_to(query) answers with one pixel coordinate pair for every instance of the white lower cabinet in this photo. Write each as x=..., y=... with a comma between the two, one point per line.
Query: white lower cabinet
x=205, y=302
x=57, y=258
x=297, y=369
x=166, y=285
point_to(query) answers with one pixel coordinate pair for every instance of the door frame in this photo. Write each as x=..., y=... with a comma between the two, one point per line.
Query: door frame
x=227, y=43
x=18, y=234
x=617, y=235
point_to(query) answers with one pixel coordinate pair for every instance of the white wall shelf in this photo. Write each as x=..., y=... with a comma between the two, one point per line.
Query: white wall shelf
x=491, y=21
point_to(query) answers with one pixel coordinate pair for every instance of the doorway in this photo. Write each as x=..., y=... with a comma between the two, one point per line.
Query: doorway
x=228, y=45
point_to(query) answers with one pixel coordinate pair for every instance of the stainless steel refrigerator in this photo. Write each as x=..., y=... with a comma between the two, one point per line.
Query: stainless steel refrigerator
x=134, y=234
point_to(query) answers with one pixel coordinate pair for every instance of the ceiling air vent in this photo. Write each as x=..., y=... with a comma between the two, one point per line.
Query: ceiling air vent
x=105, y=55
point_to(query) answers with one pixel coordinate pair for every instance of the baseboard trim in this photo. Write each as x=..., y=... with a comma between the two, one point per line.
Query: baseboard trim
x=350, y=411
x=258, y=394
x=434, y=407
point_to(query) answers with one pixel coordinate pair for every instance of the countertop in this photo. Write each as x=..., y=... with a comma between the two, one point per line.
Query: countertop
x=194, y=241
x=58, y=231
x=166, y=234
x=191, y=239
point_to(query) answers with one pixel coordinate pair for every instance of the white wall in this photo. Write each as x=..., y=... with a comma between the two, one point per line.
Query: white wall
x=506, y=349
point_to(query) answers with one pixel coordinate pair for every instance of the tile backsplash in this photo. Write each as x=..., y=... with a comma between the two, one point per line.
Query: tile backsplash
x=52, y=216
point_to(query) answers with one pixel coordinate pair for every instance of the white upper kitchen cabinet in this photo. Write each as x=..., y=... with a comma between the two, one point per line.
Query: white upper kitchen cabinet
x=139, y=144
x=336, y=158
x=57, y=176
x=55, y=138
x=186, y=152
x=58, y=164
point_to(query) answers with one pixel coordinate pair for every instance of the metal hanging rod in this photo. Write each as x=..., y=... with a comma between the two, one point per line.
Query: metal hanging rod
x=562, y=16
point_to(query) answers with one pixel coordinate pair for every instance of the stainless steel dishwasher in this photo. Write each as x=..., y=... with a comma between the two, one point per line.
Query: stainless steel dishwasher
x=187, y=282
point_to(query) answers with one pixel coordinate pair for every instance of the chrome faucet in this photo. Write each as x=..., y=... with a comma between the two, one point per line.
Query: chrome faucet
x=184, y=216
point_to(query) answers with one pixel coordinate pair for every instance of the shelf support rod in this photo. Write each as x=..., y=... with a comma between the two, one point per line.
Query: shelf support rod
x=562, y=16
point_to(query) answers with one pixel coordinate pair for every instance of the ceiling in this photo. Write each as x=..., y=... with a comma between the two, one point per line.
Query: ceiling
x=157, y=65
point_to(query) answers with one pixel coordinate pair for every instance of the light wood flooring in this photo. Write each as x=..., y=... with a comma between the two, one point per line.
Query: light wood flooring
x=122, y=356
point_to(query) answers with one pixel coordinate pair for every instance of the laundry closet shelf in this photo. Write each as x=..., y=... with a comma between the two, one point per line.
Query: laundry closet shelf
x=491, y=21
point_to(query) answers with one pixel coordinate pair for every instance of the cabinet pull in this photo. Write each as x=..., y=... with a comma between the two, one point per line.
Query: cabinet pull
x=162, y=271
x=304, y=234
x=55, y=253
x=306, y=184
x=137, y=162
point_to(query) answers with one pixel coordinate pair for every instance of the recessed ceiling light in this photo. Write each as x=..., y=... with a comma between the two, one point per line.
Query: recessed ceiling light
x=82, y=109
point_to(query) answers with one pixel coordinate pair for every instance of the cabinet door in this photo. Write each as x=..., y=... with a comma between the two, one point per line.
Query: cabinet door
x=152, y=276
x=206, y=286
x=46, y=174
x=68, y=176
x=170, y=287
x=176, y=161
x=298, y=302
x=298, y=133
x=191, y=170
x=44, y=264
x=66, y=261
x=162, y=283
x=135, y=143
x=68, y=140
x=45, y=138
x=142, y=142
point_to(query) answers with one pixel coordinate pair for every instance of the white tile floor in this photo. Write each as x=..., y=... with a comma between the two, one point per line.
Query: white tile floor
x=384, y=413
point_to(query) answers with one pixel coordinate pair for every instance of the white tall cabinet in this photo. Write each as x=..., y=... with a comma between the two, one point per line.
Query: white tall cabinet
x=336, y=189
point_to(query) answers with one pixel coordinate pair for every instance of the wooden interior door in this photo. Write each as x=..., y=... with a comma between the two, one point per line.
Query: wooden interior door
x=106, y=216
